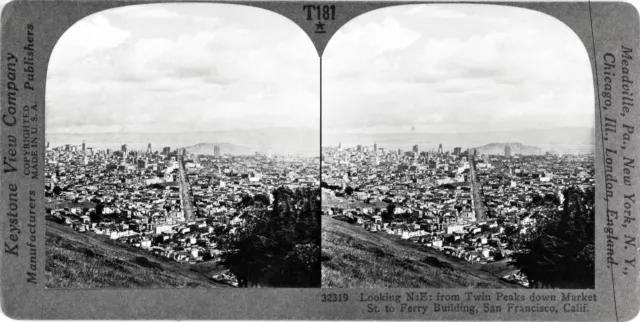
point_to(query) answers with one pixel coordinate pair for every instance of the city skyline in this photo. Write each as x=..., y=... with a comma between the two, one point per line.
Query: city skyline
x=282, y=140
x=569, y=140
x=217, y=149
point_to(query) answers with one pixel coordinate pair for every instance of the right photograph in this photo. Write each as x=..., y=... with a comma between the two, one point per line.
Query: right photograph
x=457, y=151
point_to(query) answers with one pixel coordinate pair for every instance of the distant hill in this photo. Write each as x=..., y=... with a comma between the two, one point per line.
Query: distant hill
x=273, y=140
x=516, y=148
x=354, y=257
x=87, y=260
x=282, y=141
x=565, y=136
x=225, y=148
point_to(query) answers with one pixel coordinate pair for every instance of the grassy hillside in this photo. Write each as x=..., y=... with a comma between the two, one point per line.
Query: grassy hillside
x=87, y=260
x=353, y=257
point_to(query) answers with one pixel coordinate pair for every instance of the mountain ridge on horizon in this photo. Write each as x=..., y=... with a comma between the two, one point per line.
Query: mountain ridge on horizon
x=272, y=140
x=206, y=148
x=516, y=148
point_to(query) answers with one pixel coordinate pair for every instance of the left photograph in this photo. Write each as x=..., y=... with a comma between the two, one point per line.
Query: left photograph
x=183, y=150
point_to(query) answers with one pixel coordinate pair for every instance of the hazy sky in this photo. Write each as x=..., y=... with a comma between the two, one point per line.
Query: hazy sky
x=455, y=68
x=182, y=67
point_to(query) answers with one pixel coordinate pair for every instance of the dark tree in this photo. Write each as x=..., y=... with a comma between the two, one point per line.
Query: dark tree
x=246, y=201
x=57, y=190
x=261, y=199
x=512, y=236
x=100, y=209
x=390, y=213
x=302, y=266
x=220, y=230
x=348, y=190
x=97, y=215
x=278, y=247
x=548, y=200
x=559, y=253
x=328, y=186
x=551, y=199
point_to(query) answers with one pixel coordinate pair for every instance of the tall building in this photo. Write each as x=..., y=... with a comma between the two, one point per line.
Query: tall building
x=440, y=149
x=149, y=148
x=166, y=150
x=123, y=148
x=457, y=150
x=416, y=149
x=216, y=151
x=84, y=146
x=507, y=150
x=359, y=147
x=340, y=146
x=375, y=147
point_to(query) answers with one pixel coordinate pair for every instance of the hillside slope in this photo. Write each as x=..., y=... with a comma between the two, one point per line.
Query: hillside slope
x=353, y=257
x=77, y=260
